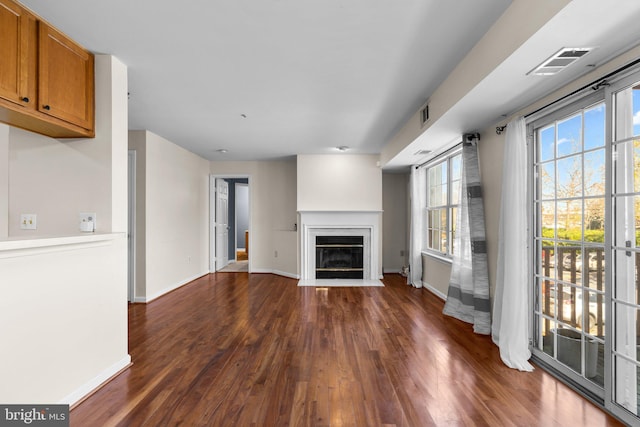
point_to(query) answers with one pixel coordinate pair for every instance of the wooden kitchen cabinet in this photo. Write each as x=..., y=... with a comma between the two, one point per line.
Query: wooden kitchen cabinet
x=65, y=85
x=46, y=79
x=18, y=46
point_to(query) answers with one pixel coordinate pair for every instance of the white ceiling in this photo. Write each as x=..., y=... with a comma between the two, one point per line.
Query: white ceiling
x=312, y=75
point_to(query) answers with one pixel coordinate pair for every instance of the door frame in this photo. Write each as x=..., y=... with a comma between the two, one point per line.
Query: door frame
x=212, y=216
x=131, y=241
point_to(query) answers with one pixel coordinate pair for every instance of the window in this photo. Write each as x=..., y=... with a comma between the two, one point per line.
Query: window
x=443, y=198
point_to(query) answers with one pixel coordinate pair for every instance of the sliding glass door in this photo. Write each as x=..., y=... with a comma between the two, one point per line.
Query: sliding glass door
x=569, y=201
x=626, y=246
x=586, y=244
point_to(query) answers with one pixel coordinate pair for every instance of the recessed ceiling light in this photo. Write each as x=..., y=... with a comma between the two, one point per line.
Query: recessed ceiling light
x=422, y=152
x=244, y=116
x=222, y=151
x=560, y=60
x=342, y=148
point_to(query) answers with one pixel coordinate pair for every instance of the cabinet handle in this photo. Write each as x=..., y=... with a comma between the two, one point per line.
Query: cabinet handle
x=25, y=99
x=46, y=107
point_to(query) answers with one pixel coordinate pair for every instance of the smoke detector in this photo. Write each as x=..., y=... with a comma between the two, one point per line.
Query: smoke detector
x=560, y=60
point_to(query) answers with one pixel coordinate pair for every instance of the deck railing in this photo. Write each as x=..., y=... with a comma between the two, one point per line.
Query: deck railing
x=571, y=266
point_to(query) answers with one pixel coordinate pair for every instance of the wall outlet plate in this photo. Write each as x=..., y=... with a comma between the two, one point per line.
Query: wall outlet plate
x=87, y=221
x=28, y=221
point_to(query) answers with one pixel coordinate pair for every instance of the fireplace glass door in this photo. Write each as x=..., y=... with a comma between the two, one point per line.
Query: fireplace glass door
x=339, y=257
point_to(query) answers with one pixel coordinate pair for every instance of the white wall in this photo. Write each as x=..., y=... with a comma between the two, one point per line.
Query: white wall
x=272, y=202
x=4, y=180
x=56, y=181
x=516, y=25
x=63, y=304
x=394, y=221
x=64, y=316
x=340, y=182
x=176, y=212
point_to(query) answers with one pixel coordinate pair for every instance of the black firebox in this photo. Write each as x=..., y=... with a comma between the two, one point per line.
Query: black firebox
x=339, y=257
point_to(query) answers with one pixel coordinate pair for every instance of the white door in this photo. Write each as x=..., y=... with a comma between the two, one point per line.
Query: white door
x=222, y=223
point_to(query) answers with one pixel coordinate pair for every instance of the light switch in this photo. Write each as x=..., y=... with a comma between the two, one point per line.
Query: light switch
x=28, y=221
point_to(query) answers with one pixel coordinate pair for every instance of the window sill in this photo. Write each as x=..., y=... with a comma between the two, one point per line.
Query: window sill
x=439, y=257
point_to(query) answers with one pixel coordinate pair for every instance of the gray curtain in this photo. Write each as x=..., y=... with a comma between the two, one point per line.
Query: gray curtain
x=468, y=295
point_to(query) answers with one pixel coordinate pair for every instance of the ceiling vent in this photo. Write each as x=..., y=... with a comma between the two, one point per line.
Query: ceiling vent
x=422, y=152
x=424, y=115
x=560, y=60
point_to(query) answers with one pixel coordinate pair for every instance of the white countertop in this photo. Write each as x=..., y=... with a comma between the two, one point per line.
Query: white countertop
x=22, y=242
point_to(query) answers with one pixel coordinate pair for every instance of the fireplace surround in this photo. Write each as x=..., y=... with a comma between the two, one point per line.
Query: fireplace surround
x=362, y=226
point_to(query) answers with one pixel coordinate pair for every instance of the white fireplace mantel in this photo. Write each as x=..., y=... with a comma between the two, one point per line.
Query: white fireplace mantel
x=365, y=223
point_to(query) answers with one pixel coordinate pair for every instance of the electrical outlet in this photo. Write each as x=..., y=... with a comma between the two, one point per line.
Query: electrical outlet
x=28, y=221
x=87, y=221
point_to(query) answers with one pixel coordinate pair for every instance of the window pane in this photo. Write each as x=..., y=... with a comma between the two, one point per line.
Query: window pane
x=570, y=135
x=627, y=113
x=548, y=299
x=548, y=336
x=443, y=195
x=548, y=217
x=627, y=167
x=594, y=127
x=594, y=220
x=570, y=220
x=437, y=226
x=456, y=179
x=636, y=110
x=548, y=180
x=547, y=143
x=628, y=210
x=594, y=318
x=456, y=167
x=594, y=173
x=453, y=219
x=569, y=266
x=570, y=177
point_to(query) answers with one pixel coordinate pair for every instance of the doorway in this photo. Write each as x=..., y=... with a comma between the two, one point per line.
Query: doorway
x=230, y=234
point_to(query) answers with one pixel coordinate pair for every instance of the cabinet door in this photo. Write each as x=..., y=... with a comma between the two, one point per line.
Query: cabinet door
x=18, y=47
x=65, y=87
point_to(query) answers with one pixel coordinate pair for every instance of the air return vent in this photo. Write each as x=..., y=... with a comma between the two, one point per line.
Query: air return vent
x=424, y=115
x=560, y=60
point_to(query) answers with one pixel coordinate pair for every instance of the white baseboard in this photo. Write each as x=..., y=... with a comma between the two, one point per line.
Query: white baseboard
x=435, y=291
x=168, y=289
x=391, y=271
x=96, y=382
x=285, y=274
x=262, y=270
x=276, y=272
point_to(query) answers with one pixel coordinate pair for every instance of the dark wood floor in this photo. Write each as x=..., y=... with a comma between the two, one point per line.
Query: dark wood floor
x=234, y=349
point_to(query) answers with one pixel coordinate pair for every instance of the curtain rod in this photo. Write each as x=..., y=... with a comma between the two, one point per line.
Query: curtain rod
x=445, y=152
x=595, y=85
